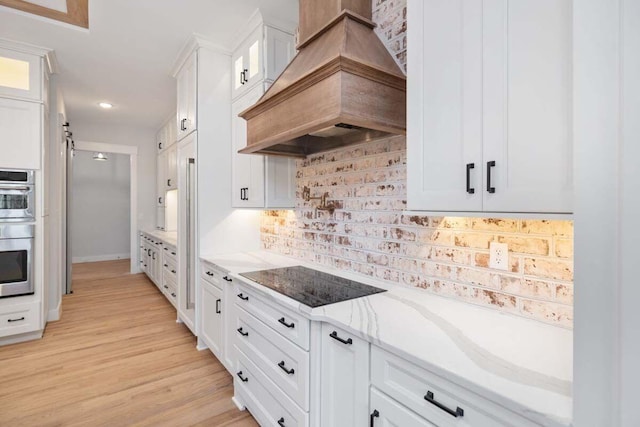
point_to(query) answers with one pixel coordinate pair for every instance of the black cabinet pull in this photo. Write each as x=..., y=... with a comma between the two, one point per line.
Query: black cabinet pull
x=281, y=422
x=208, y=273
x=375, y=414
x=227, y=279
x=469, y=167
x=288, y=371
x=166, y=249
x=159, y=145
x=459, y=412
x=242, y=332
x=169, y=183
x=288, y=325
x=153, y=256
x=183, y=124
x=173, y=253
x=15, y=320
x=160, y=200
x=246, y=193
x=242, y=297
x=246, y=80
x=166, y=265
x=490, y=165
x=242, y=194
x=218, y=306
x=173, y=294
x=148, y=252
x=173, y=271
x=166, y=287
x=244, y=380
x=335, y=336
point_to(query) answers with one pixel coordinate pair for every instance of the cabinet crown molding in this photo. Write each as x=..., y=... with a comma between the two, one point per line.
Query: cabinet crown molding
x=195, y=42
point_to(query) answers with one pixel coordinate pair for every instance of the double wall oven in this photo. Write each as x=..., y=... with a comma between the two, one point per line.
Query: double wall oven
x=17, y=215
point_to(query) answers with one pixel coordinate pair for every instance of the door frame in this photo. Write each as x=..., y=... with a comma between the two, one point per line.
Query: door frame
x=132, y=152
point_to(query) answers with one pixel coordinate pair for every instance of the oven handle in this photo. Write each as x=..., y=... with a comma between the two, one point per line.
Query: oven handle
x=7, y=187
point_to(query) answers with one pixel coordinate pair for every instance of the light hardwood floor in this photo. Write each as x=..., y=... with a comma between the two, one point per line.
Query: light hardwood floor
x=116, y=358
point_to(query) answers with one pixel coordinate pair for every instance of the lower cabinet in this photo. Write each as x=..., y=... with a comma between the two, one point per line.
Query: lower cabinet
x=344, y=388
x=19, y=319
x=386, y=412
x=212, y=319
x=158, y=261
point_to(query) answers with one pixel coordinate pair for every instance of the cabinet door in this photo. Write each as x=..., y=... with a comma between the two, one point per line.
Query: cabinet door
x=20, y=134
x=247, y=169
x=161, y=139
x=386, y=412
x=161, y=178
x=212, y=318
x=172, y=168
x=279, y=51
x=444, y=103
x=527, y=105
x=187, y=97
x=160, y=218
x=192, y=94
x=280, y=182
x=247, y=64
x=344, y=387
x=20, y=75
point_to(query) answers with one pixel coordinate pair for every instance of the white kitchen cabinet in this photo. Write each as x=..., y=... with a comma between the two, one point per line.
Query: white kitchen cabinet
x=171, y=177
x=489, y=106
x=20, y=75
x=344, y=387
x=212, y=320
x=187, y=97
x=386, y=412
x=161, y=173
x=20, y=134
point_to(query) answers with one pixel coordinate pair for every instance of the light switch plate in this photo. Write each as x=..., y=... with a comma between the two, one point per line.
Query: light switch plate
x=499, y=256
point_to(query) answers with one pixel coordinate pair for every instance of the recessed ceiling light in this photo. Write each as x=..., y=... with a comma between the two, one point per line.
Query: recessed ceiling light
x=100, y=157
x=105, y=105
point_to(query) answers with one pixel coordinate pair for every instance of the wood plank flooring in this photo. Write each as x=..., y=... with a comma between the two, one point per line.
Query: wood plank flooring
x=116, y=358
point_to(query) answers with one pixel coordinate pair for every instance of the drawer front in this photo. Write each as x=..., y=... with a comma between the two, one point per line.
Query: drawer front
x=282, y=361
x=291, y=325
x=170, y=252
x=170, y=269
x=272, y=404
x=212, y=275
x=386, y=412
x=438, y=400
x=19, y=319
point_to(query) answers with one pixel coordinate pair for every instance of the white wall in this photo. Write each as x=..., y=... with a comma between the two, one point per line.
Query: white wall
x=100, y=227
x=144, y=139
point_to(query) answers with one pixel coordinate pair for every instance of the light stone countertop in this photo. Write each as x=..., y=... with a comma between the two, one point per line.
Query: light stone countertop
x=170, y=237
x=521, y=364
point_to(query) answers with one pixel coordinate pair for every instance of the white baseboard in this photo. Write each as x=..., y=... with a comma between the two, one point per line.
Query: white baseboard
x=15, y=339
x=96, y=258
x=54, y=313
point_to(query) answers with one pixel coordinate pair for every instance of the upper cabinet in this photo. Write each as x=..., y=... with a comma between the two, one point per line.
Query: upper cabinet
x=187, y=97
x=489, y=106
x=258, y=181
x=20, y=75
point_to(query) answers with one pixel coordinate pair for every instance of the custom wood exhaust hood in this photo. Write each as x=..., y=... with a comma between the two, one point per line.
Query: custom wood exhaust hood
x=342, y=88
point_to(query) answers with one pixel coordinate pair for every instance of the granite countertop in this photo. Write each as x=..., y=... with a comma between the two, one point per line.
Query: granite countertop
x=521, y=364
x=170, y=237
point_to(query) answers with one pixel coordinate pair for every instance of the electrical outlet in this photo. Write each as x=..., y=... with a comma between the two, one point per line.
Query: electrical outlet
x=499, y=256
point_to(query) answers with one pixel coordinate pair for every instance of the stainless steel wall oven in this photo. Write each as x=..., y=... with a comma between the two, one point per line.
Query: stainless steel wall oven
x=16, y=259
x=17, y=195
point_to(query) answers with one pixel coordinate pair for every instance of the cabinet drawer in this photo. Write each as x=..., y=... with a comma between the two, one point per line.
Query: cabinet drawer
x=170, y=268
x=19, y=319
x=412, y=385
x=386, y=412
x=287, y=323
x=170, y=252
x=282, y=361
x=212, y=275
x=265, y=400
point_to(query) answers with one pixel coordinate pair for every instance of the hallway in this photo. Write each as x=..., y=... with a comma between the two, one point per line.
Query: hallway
x=116, y=358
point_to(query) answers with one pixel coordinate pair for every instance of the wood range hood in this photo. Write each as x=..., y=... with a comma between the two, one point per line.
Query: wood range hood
x=342, y=88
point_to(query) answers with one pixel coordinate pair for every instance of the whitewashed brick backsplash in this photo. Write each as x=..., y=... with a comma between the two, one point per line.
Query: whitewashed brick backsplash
x=391, y=18
x=368, y=234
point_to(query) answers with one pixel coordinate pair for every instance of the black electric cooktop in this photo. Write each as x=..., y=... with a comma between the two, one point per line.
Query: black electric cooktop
x=311, y=287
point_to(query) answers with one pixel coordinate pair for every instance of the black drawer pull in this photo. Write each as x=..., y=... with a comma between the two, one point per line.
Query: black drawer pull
x=208, y=273
x=490, y=165
x=173, y=271
x=166, y=249
x=469, y=167
x=288, y=371
x=166, y=287
x=375, y=414
x=244, y=380
x=288, y=325
x=281, y=422
x=242, y=332
x=173, y=294
x=166, y=265
x=227, y=279
x=218, y=306
x=15, y=320
x=335, y=336
x=459, y=412
x=173, y=253
x=242, y=297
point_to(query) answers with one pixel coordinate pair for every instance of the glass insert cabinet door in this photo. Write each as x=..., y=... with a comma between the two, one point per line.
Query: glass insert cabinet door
x=20, y=75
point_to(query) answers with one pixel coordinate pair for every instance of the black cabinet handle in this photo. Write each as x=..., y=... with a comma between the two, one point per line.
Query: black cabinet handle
x=218, y=306
x=173, y=294
x=288, y=325
x=375, y=414
x=159, y=145
x=166, y=287
x=166, y=249
x=173, y=253
x=227, y=279
x=159, y=200
x=242, y=332
x=153, y=256
x=335, y=336
x=288, y=371
x=166, y=265
x=173, y=271
x=169, y=183
x=281, y=422
x=490, y=165
x=459, y=412
x=183, y=124
x=246, y=80
x=246, y=193
x=15, y=320
x=148, y=252
x=244, y=380
x=242, y=297
x=208, y=273
x=469, y=167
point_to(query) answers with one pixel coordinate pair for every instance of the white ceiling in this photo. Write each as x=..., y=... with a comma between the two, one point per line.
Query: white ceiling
x=126, y=56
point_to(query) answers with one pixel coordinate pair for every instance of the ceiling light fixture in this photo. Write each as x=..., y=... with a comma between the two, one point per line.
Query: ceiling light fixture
x=105, y=105
x=100, y=157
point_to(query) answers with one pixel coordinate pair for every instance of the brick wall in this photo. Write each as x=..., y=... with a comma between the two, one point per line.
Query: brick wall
x=391, y=17
x=368, y=234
